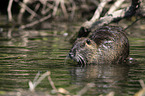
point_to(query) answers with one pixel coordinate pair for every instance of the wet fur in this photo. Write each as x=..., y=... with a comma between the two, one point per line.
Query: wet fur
x=108, y=44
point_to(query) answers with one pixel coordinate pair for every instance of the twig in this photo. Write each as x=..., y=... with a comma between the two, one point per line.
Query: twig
x=142, y=91
x=22, y=10
x=33, y=15
x=37, y=80
x=64, y=9
x=132, y=24
x=50, y=6
x=52, y=84
x=9, y=10
x=35, y=22
x=23, y=5
x=110, y=94
x=44, y=3
x=55, y=7
x=85, y=89
x=73, y=9
x=142, y=83
x=36, y=77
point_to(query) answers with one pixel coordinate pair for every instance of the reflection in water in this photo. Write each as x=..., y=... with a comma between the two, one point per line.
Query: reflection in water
x=105, y=76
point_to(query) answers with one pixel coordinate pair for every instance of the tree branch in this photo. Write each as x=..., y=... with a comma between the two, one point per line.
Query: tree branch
x=96, y=14
x=115, y=6
x=115, y=16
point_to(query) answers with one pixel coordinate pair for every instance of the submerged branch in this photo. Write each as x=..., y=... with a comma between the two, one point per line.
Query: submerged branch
x=85, y=89
x=52, y=83
x=37, y=80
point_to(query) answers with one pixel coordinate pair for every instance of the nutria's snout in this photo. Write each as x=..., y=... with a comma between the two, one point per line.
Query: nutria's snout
x=82, y=50
x=107, y=44
x=71, y=55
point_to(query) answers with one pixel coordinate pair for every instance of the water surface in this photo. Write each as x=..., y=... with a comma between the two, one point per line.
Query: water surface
x=24, y=53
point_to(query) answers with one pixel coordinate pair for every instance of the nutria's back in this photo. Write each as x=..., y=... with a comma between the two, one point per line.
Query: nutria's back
x=107, y=44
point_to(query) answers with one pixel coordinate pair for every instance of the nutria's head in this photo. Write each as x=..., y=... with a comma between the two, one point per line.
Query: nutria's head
x=83, y=50
x=105, y=45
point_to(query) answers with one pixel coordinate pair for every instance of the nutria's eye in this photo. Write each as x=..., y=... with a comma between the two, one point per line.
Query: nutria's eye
x=88, y=42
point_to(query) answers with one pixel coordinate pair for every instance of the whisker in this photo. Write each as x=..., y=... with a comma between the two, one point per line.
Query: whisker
x=66, y=58
x=82, y=59
x=79, y=60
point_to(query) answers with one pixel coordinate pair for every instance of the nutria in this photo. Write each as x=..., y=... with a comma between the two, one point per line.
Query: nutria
x=108, y=44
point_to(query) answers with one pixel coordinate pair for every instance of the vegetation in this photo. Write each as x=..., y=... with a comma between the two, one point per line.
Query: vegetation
x=42, y=10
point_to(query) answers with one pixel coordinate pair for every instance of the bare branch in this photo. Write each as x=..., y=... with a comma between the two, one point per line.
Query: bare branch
x=23, y=5
x=37, y=80
x=50, y=6
x=142, y=83
x=33, y=15
x=109, y=18
x=73, y=9
x=99, y=10
x=96, y=14
x=9, y=10
x=35, y=22
x=117, y=15
x=52, y=84
x=56, y=7
x=85, y=89
x=115, y=6
x=64, y=8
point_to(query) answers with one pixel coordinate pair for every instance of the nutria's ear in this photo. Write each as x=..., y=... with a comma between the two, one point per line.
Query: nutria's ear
x=83, y=32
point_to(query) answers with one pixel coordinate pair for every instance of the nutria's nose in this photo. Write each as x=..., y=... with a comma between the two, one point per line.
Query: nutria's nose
x=71, y=55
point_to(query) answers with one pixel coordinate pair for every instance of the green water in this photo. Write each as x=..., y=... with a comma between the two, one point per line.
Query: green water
x=26, y=53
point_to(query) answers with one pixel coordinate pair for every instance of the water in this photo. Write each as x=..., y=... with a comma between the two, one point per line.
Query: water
x=26, y=53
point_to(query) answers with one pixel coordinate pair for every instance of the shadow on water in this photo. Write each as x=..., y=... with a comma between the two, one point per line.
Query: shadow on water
x=25, y=53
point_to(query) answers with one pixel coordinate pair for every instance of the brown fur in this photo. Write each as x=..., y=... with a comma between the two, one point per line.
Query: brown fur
x=108, y=44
